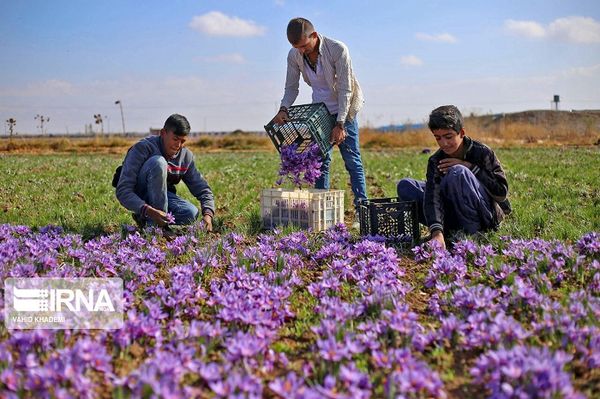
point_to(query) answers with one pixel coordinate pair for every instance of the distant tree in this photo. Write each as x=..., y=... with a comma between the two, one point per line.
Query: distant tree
x=42, y=119
x=12, y=122
x=99, y=121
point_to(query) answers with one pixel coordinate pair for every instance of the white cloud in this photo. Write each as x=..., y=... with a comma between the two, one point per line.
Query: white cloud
x=48, y=88
x=441, y=38
x=216, y=23
x=411, y=60
x=280, y=3
x=571, y=29
x=232, y=58
x=576, y=29
x=525, y=28
x=589, y=71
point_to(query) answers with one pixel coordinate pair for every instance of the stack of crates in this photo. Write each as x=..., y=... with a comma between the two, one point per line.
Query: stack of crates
x=391, y=218
x=309, y=123
x=308, y=209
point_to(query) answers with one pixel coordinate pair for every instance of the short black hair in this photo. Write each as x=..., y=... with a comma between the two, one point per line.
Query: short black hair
x=177, y=124
x=446, y=117
x=298, y=28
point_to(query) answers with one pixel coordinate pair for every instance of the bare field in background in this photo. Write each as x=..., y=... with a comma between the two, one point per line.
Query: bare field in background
x=523, y=129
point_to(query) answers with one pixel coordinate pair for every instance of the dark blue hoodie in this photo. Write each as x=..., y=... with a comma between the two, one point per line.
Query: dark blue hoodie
x=180, y=167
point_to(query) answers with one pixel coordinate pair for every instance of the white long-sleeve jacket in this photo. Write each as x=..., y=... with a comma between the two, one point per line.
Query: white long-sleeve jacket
x=337, y=67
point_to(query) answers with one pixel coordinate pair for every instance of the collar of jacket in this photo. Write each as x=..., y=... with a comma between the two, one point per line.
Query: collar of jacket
x=320, y=43
x=161, y=147
x=468, y=143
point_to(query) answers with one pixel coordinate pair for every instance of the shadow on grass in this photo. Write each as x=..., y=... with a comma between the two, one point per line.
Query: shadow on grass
x=87, y=231
x=90, y=231
x=255, y=224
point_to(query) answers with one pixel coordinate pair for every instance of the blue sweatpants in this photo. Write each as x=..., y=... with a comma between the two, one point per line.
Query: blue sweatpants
x=152, y=187
x=350, y=150
x=467, y=206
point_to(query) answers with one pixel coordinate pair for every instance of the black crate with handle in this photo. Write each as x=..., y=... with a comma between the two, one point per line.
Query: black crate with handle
x=308, y=123
x=391, y=218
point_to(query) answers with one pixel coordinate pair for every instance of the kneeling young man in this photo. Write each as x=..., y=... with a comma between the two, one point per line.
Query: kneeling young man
x=150, y=171
x=466, y=188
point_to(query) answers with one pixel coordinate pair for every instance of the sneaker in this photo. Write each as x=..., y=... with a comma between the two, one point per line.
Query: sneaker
x=456, y=236
x=169, y=233
x=141, y=223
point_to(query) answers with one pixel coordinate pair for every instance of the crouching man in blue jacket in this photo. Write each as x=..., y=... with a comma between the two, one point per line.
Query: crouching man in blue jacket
x=150, y=171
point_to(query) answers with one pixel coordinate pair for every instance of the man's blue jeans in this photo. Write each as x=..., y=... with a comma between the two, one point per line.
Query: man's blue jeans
x=350, y=150
x=467, y=206
x=151, y=186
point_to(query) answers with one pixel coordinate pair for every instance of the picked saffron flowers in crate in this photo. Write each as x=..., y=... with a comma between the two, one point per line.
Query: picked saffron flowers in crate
x=314, y=209
x=302, y=168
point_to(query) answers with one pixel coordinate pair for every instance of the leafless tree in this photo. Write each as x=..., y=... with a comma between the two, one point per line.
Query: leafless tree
x=99, y=121
x=42, y=119
x=12, y=122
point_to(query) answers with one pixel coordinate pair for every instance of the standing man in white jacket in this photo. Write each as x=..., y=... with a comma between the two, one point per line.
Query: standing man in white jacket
x=326, y=67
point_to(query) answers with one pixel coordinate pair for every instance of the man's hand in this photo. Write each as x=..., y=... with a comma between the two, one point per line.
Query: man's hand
x=338, y=135
x=281, y=117
x=159, y=217
x=447, y=163
x=439, y=237
x=208, y=222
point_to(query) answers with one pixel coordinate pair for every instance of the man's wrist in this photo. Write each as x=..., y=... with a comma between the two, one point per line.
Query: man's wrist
x=436, y=227
x=283, y=109
x=340, y=124
x=144, y=211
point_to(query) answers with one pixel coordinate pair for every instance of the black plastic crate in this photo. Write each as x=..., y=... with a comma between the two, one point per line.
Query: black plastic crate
x=391, y=218
x=309, y=123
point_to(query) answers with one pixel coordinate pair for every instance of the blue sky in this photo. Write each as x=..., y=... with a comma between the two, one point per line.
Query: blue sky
x=222, y=63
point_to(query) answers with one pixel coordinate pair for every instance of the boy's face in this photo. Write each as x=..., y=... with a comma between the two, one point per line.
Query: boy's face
x=449, y=140
x=172, y=143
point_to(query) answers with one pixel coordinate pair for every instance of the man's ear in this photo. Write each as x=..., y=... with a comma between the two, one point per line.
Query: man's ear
x=462, y=133
x=162, y=132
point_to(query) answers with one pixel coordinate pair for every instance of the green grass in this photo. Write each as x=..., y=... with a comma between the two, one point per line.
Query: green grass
x=554, y=191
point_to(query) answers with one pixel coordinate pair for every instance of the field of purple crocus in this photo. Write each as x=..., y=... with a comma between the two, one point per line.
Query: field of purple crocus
x=307, y=315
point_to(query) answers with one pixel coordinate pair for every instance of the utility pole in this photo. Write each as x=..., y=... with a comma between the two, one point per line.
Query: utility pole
x=122, y=117
x=107, y=119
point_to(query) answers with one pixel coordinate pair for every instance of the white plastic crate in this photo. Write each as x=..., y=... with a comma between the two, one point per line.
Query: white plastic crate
x=308, y=209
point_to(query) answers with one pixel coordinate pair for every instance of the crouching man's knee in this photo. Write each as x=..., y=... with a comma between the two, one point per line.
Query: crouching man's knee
x=408, y=189
x=157, y=164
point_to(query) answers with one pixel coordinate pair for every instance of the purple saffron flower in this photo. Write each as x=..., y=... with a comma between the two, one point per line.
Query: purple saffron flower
x=292, y=386
x=300, y=167
x=170, y=218
x=589, y=244
x=331, y=350
x=522, y=370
